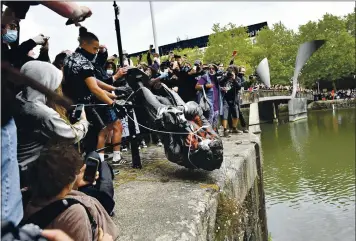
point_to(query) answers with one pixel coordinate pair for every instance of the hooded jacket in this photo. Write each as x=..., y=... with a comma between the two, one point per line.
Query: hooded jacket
x=37, y=123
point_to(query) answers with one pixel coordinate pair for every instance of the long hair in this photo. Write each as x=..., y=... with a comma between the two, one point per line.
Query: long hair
x=58, y=108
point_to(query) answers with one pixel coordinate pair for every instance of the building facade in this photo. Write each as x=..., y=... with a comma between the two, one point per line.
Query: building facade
x=201, y=42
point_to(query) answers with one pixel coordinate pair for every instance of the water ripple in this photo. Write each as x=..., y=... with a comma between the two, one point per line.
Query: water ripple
x=309, y=176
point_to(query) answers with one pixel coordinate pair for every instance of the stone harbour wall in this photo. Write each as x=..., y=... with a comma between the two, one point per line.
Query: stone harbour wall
x=167, y=202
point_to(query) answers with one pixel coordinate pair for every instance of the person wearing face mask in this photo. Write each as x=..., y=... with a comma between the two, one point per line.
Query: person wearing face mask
x=18, y=55
x=84, y=87
x=110, y=69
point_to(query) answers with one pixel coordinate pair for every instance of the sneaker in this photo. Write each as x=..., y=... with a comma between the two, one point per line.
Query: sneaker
x=143, y=144
x=124, y=149
x=117, y=157
x=159, y=143
x=118, y=160
x=245, y=130
x=225, y=134
x=236, y=131
x=109, y=155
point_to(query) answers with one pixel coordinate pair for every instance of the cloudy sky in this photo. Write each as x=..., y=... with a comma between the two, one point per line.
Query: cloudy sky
x=173, y=19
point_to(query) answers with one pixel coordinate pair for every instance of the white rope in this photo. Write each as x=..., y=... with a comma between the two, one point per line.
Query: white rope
x=177, y=133
x=168, y=132
x=132, y=94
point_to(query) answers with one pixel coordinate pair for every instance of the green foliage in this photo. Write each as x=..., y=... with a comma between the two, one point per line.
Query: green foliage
x=224, y=41
x=192, y=54
x=336, y=59
x=279, y=45
x=144, y=59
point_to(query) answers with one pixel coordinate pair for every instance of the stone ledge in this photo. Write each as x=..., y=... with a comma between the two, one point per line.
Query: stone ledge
x=164, y=201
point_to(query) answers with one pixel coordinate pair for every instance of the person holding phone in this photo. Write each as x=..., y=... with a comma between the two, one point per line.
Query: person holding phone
x=39, y=120
x=17, y=56
x=60, y=172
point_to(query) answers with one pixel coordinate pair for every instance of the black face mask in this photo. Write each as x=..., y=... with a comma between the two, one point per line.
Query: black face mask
x=86, y=54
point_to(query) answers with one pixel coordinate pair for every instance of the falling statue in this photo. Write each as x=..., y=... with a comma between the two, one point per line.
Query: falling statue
x=188, y=138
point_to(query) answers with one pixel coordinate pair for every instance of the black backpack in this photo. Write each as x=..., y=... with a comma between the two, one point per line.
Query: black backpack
x=47, y=214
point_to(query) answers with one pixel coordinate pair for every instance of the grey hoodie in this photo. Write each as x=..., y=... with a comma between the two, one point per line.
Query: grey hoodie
x=37, y=123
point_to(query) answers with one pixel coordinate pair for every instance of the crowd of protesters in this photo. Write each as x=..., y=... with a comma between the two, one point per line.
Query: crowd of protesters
x=43, y=162
x=349, y=94
x=42, y=176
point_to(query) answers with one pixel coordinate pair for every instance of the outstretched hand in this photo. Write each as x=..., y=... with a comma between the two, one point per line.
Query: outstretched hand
x=80, y=14
x=39, y=39
x=120, y=73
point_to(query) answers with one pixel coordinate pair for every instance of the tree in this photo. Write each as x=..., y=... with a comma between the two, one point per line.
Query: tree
x=192, y=54
x=350, y=20
x=224, y=41
x=336, y=59
x=279, y=46
x=143, y=59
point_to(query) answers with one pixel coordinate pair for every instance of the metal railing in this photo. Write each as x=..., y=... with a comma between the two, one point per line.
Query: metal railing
x=254, y=96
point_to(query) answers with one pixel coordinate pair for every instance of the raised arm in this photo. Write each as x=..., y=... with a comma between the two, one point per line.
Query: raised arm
x=68, y=9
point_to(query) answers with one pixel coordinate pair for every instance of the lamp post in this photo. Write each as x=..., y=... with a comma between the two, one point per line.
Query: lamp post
x=154, y=28
x=135, y=153
x=118, y=34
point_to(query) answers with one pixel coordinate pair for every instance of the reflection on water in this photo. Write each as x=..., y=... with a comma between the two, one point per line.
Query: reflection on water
x=309, y=171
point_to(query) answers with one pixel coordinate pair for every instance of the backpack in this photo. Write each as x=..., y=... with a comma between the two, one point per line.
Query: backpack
x=46, y=215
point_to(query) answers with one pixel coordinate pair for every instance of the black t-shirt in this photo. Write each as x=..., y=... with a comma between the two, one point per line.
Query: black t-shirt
x=186, y=88
x=76, y=69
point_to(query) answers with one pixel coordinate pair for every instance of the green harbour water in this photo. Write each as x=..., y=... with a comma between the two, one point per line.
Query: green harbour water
x=309, y=177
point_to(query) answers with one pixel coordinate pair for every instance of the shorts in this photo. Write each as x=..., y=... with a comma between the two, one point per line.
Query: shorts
x=232, y=109
x=107, y=114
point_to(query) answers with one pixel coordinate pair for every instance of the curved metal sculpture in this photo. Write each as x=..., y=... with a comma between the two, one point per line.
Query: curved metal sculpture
x=188, y=138
x=263, y=72
x=305, y=51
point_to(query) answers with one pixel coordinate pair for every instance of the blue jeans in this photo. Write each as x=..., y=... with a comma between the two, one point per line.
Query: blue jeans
x=11, y=198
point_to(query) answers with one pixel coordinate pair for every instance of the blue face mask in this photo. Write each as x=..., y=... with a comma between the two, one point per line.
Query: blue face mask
x=10, y=36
